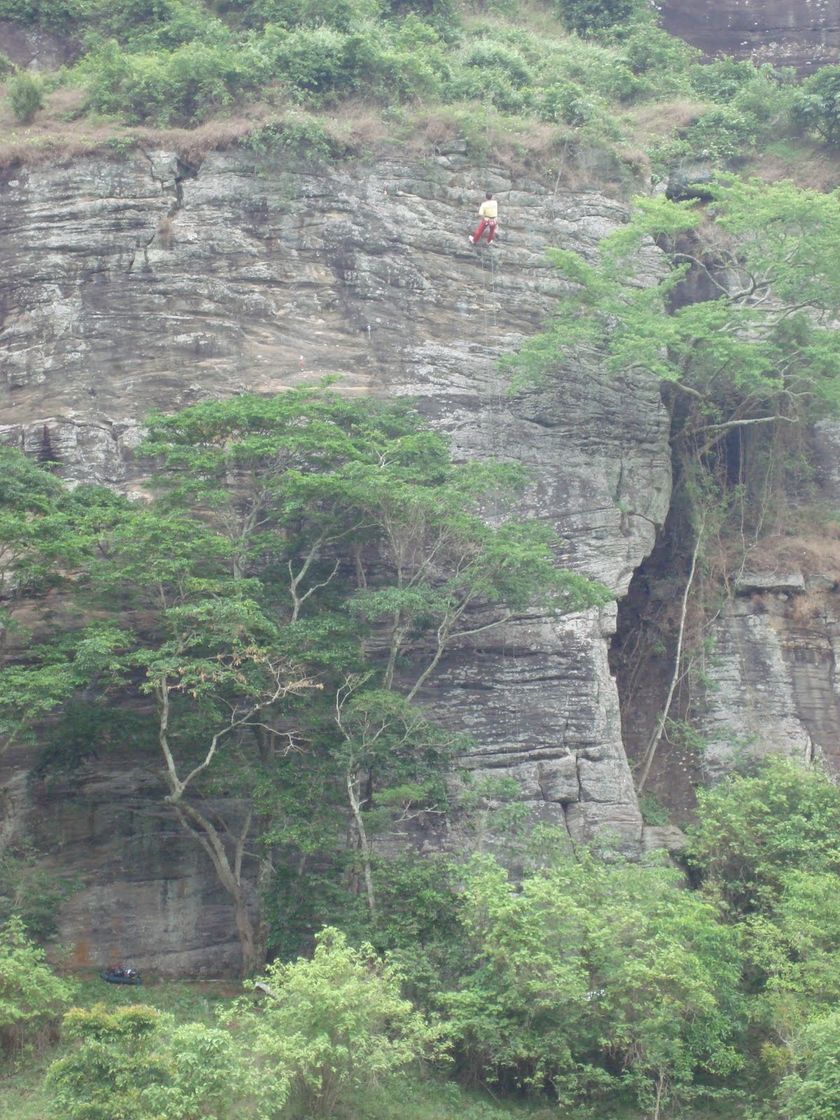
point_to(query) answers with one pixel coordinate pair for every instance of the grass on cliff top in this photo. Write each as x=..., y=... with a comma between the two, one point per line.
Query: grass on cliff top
x=502, y=80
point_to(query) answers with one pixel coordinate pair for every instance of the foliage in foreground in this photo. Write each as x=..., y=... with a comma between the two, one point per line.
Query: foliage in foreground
x=32, y=997
x=331, y=1027
x=136, y=1063
x=603, y=987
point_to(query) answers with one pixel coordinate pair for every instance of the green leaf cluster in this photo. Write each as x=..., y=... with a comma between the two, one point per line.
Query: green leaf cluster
x=136, y=1063
x=32, y=997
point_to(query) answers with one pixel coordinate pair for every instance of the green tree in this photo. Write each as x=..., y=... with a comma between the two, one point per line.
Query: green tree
x=32, y=997
x=735, y=318
x=754, y=830
x=594, y=977
x=216, y=666
x=767, y=845
x=756, y=351
x=329, y=1027
x=817, y=105
x=135, y=1063
x=307, y=562
x=812, y=1090
x=372, y=553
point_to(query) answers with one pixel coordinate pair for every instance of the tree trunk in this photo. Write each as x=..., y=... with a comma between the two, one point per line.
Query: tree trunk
x=251, y=943
x=361, y=837
x=252, y=935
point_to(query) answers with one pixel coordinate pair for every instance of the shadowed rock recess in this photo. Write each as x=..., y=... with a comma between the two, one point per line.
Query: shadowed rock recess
x=145, y=284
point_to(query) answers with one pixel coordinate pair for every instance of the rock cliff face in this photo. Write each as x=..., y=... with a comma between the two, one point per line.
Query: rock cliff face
x=776, y=646
x=800, y=33
x=151, y=283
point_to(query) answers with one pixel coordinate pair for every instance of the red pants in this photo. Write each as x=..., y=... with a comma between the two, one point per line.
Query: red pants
x=485, y=224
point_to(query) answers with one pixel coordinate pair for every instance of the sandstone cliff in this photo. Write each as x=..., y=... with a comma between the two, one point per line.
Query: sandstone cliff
x=151, y=283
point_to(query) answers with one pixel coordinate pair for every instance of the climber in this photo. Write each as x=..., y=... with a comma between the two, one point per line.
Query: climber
x=488, y=212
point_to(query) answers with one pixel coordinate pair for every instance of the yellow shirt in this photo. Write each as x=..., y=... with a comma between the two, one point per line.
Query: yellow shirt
x=489, y=209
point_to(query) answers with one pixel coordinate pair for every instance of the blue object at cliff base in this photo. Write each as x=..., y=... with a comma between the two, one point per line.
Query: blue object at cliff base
x=121, y=976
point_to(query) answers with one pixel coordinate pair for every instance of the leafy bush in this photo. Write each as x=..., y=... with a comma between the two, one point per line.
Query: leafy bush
x=54, y=15
x=592, y=976
x=588, y=16
x=26, y=96
x=312, y=60
x=812, y=1090
x=176, y=87
x=663, y=58
x=342, y=15
x=721, y=80
x=753, y=830
x=573, y=104
x=719, y=135
x=31, y=995
x=135, y=1063
x=722, y=134
x=332, y=1026
x=493, y=72
x=302, y=136
x=817, y=106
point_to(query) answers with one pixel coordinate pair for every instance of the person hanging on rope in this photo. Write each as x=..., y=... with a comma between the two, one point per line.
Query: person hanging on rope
x=488, y=212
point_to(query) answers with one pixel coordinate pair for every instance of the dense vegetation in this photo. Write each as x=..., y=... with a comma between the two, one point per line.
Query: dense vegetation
x=583, y=69
x=601, y=987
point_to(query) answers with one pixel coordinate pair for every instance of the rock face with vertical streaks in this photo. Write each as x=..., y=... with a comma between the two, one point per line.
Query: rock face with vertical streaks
x=151, y=283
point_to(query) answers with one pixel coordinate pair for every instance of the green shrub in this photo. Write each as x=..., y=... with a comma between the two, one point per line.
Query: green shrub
x=589, y=16
x=177, y=87
x=301, y=136
x=135, y=1063
x=54, y=15
x=32, y=997
x=653, y=811
x=720, y=134
x=26, y=96
x=486, y=54
x=573, y=104
x=817, y=106
x=333, y=1026
x=721, y=80
x=812, y=1090
x=591, y=66
x=591, y=976
x=495, y=74
x=752, y=830
x=312, y=60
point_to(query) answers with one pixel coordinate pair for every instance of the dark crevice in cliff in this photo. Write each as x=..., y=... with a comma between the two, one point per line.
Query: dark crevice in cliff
x=643, y=649
x=173, y=184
